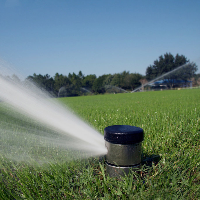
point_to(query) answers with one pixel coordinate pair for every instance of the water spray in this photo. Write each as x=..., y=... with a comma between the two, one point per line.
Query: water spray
x=162, y=76
x=123, y=143
x=37, y=106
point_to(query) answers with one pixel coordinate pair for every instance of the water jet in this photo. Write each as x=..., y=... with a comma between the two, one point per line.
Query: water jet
x=33, y=106
x=168, y=75
x=123, y=143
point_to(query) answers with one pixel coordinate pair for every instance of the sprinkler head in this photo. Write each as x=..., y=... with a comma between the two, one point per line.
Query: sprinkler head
x=123, y=143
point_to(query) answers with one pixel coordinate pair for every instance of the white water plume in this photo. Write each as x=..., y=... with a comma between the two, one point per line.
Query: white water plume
x=114, y=89
x=37, y=105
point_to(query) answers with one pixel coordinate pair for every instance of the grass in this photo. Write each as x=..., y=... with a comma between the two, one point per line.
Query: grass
x=171, y=121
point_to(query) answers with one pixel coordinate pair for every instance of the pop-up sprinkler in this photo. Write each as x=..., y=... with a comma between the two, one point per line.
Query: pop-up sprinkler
x=123, y=143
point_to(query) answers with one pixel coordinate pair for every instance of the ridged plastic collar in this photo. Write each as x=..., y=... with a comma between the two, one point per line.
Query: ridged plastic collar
x=123, y=134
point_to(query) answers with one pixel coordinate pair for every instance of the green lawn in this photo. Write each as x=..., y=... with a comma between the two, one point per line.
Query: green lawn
x=171, y=121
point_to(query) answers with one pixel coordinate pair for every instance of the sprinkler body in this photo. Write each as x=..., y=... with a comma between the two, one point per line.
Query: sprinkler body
x=123, y=143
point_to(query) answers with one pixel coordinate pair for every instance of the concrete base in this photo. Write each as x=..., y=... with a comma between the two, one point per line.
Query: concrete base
x=117, y=171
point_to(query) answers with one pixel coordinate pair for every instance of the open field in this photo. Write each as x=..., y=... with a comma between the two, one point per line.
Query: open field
x=171, y=121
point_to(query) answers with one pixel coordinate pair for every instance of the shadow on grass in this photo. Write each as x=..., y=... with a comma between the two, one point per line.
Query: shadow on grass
x=148, y=160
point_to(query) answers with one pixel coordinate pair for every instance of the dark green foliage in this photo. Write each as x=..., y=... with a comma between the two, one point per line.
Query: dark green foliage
x=168, y=63
x=45, y=82
x=88, y=81
x=75, y=84
x=60, y=81
x=133, y=80
x=98, y=84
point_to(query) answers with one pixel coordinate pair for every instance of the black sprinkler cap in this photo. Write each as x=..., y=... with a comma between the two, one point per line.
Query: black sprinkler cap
x=123, y=134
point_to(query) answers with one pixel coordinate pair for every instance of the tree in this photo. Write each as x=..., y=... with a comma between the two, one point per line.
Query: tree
x=60, y=81
x=80, y=75
x=98, y=84
x=119, y=80
x=161, y=66
x=185, y=72
x=175, y=68
x=76, y=83
x=76, y=80
x=88, y=81
x=108, y=80
x=134, y=80
x=124, y=77
x=44, y=82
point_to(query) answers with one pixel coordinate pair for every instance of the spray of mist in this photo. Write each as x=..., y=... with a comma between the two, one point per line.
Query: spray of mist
x=63, y=130
x=162, y=76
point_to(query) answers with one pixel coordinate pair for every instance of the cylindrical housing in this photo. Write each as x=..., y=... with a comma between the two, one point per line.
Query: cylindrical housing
x=123, y=143
x=123, y=154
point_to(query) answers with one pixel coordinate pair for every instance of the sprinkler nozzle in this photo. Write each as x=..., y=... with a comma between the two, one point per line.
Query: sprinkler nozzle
x=123, y=143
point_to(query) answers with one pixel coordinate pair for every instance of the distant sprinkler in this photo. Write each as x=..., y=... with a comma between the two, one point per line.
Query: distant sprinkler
x=123, y=143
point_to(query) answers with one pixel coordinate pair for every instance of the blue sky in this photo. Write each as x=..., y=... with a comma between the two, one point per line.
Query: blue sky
x=96, y=36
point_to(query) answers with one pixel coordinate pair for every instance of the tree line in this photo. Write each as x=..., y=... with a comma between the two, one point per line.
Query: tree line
x=79, y=84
